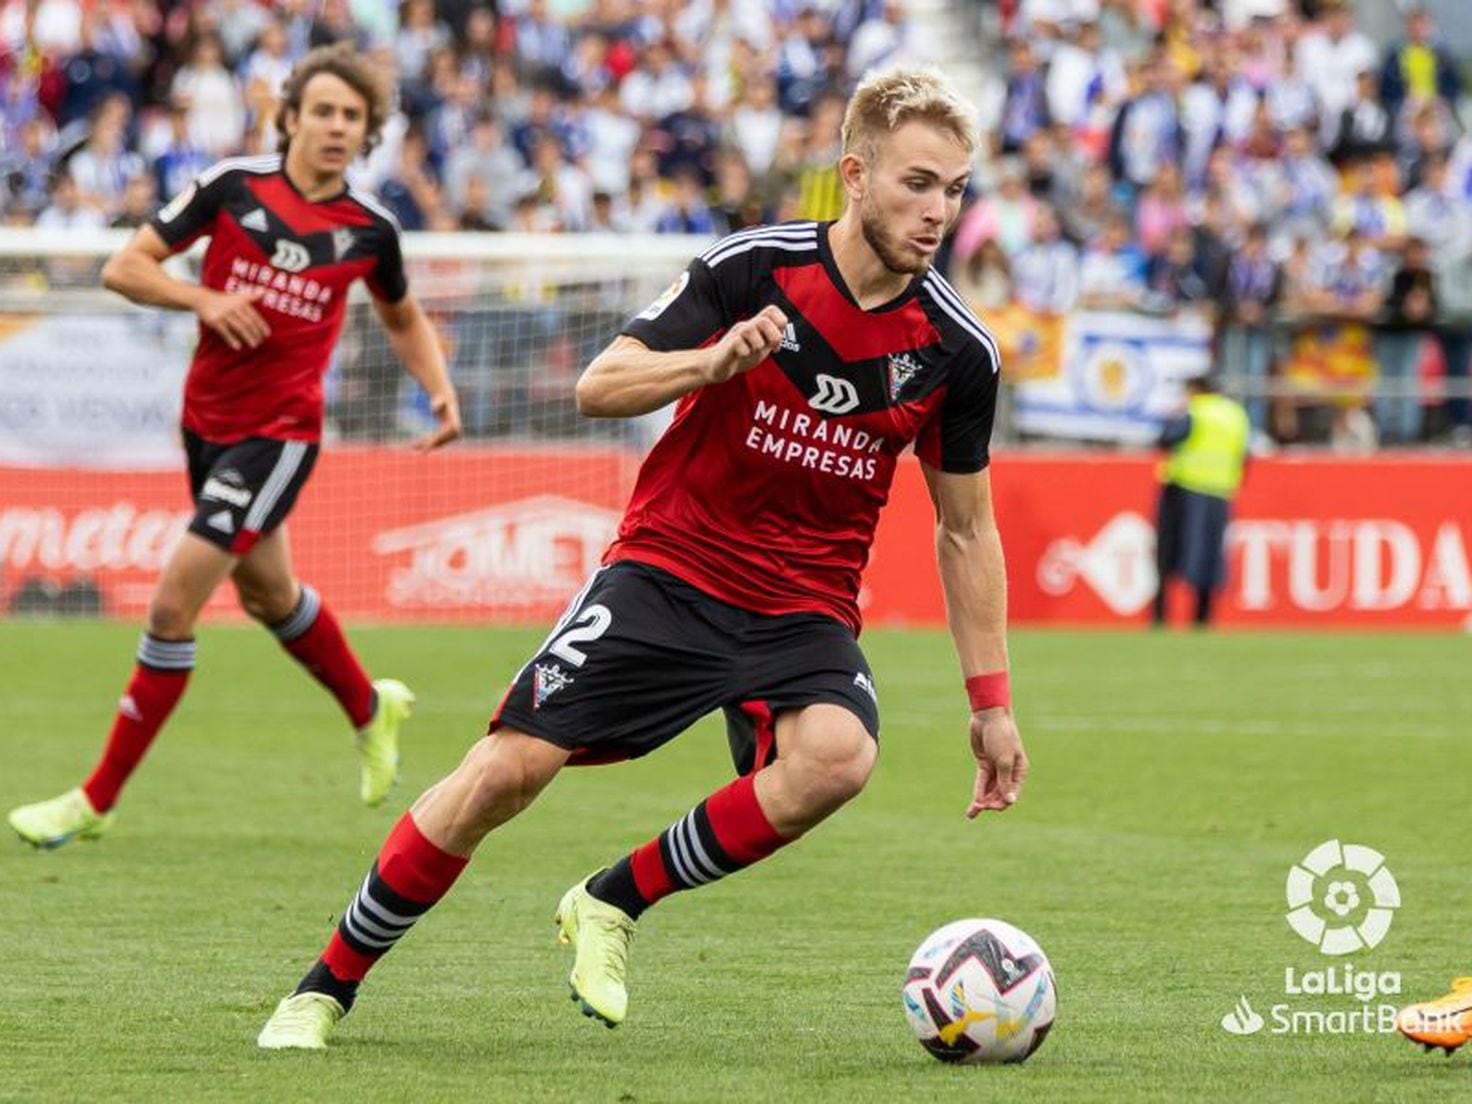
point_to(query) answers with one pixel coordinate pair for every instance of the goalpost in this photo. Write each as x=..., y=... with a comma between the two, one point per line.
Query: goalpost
x=501, y=526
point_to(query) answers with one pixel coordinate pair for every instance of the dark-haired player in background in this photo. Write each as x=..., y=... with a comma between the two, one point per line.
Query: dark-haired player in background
x=287, y=240
x=805, y=358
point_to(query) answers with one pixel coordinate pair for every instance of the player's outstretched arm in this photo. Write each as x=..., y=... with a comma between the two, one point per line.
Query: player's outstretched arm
x=136, y=271
x=629, y=378
x=973, y=576
x=414, y=342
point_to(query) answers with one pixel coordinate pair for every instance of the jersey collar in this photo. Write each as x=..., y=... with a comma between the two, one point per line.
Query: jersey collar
x=290, y=183
x=825, y=254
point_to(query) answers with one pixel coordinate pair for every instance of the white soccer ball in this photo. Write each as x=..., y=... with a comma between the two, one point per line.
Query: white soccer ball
x=980, y=991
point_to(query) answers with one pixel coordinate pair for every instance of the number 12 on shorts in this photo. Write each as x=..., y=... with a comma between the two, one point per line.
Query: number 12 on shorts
x=587, y=626
x=578, y=625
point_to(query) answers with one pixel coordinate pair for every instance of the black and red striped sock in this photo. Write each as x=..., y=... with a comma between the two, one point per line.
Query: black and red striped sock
x=157, y=685
x=725, y=833
x=315, y=639
x=409, y=876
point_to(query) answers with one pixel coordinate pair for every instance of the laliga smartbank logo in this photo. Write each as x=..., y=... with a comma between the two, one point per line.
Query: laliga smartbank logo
x=1342, y=899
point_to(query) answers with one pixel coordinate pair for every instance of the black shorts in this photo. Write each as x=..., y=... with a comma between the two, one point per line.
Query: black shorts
x=640, y=656
x=244, y=490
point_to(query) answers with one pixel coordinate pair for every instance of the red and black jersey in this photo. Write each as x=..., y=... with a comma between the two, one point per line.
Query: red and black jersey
x=302, y=256
x=765, y=490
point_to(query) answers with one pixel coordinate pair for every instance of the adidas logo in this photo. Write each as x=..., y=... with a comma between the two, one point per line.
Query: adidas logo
x=256, y=220
x=789, y=339
x=221, y=521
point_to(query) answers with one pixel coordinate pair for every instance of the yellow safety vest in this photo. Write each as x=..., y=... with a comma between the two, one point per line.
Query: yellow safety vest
x=1210, y=459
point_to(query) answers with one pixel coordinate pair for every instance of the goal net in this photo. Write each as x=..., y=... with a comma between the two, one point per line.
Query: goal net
x=501, y=526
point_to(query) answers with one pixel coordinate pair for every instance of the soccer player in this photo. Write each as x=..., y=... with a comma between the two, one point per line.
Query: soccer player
x=804, y=359
x=287, y=240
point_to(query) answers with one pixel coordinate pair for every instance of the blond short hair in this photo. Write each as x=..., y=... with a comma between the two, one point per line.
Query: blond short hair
x=886, y=101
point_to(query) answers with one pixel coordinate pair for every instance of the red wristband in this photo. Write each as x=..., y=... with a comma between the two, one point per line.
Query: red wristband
x=989, y=691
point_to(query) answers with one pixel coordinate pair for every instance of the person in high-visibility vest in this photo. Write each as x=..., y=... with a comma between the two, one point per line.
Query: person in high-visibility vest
x=1199, y=478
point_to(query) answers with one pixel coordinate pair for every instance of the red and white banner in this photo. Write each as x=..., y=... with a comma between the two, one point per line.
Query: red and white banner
x=503, y=535
x=1381, y=541
x=490, y=535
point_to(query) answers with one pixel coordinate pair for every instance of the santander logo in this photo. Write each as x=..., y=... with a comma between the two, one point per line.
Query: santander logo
x=1318, y=566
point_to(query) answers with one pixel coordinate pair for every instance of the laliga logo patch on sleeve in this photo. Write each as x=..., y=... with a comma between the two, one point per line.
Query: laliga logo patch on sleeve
x=671, y=293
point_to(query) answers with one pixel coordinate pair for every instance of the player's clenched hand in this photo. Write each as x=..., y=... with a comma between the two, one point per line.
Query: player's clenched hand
x=746, y=345
x=446, y=411
x=234, y=317
x=1001, y=764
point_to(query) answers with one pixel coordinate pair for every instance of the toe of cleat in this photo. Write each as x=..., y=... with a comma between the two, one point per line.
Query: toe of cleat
x=587, y=1009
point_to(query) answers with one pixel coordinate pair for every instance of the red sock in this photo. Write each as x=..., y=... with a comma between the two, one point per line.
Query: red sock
x=410, y=875
x=725, y=833
x=312, y=635
x=158, y=683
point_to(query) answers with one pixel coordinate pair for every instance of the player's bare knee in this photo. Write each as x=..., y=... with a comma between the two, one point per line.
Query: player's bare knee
x=849, y=770
x=503, y=779
x=169, y=618
x=834, y=767
x=264, y=604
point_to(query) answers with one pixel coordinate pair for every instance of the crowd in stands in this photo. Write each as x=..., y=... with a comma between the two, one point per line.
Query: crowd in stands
x=1259, y=158
x=652, y=116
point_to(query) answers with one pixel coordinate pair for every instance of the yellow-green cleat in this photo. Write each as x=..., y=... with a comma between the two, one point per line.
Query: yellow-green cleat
x=49, y=824
x=601, y=935
x=301, y=1022
x=378, y=740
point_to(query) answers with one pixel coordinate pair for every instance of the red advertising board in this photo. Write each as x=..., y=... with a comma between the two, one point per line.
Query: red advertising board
x=507, y=534
x=1377, y=541
x=503, y=535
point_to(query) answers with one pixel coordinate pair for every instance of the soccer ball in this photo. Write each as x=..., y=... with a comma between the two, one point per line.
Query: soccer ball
x=980, y=991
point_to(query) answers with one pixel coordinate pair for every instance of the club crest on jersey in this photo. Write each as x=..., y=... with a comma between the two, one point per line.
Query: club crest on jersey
x=290, y=256
x=342, y=241
x=547, y=679
x=835, y=396
x=902, y=368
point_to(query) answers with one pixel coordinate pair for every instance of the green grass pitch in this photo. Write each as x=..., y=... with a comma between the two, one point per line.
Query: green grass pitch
x=1175, y=779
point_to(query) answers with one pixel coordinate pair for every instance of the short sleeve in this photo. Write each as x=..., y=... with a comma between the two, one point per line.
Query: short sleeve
x=688, y=313
x=388, y=282
x=957, y=438
x=191, y=214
